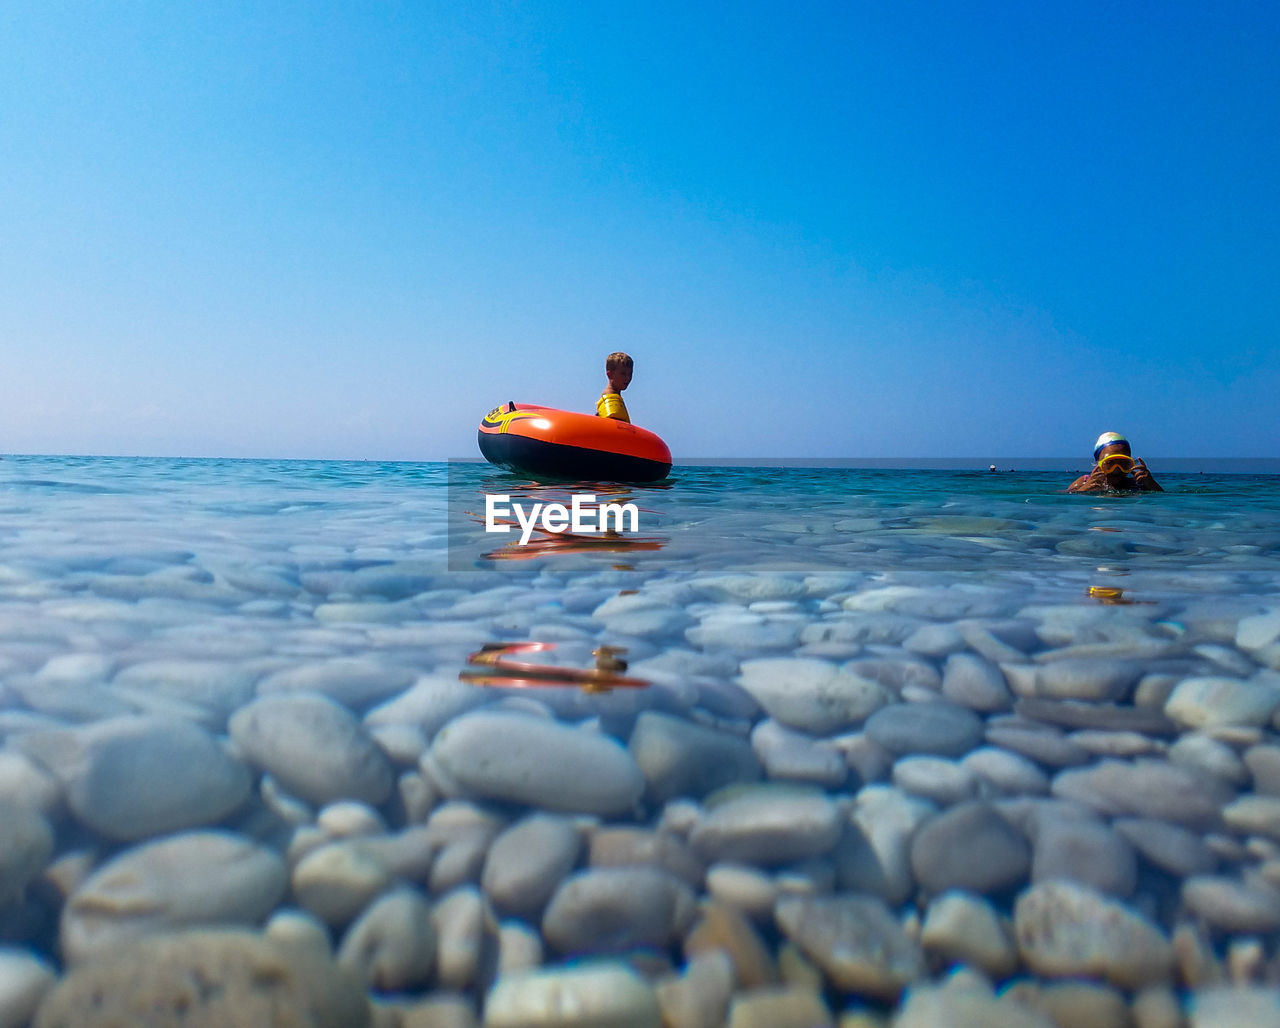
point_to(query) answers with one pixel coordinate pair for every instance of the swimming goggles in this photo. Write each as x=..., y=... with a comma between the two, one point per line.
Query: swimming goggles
x=1121, y=462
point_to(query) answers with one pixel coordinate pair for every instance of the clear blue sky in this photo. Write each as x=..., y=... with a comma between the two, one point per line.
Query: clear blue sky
x=901, y=228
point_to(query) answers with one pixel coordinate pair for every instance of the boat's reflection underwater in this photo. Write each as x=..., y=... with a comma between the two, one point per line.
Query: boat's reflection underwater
x=500, y=670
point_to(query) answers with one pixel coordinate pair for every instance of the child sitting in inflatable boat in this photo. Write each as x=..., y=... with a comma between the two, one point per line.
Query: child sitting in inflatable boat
x=617, y=368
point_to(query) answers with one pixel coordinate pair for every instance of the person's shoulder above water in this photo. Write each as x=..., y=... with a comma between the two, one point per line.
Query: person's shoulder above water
x=1115, y=470
x=618, y=369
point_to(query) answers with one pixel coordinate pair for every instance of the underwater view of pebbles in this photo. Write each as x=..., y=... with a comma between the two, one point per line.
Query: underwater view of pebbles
x=913, y=749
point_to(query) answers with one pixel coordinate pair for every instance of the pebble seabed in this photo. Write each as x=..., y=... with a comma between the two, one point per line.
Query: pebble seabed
x=236, y=797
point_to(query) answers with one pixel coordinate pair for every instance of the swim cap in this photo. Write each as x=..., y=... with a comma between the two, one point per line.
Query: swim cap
x=1106, y=439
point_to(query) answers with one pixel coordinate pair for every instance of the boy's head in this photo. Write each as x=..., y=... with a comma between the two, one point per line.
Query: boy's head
x=618, y=368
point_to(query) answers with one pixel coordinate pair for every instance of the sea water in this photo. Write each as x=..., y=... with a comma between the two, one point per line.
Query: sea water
x=188, y=590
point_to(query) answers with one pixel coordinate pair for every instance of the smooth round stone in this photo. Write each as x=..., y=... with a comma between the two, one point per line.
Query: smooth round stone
x=314, y=747
x=1263, y=762
x=1234, y=1007
x=1233, y=906
x=403, y=744
x=1157, y=1006
x=431, y=703
x=335, y=882
x=297, y=928
x=602, y=995
x=1204, y=753
x=788, y=755
x=631, y=602
x=24, y=981
x=749, y=588
x=1230, y=660
x=874, y=854
x=965, y=1000
x=945, y=602
x=26, y=844
x=138, y=777
x=1042, y=743
x=721, y=929
x=1084, y=851
x=462, y=923
x=743, y=888
x=943, y=781
x=1110, y=717
x=860, y=629
x=181, y=881
x=788, y=1006
x=1002, y=641
x=935, y=640
x=943, y=729
x=1084, y=1003
x=527, y=862
x=975, y=683
x=384, y=613
x=896, y=673
x=648, y=623
x=1145, y=788
x=1169, y=847
x=866, y=757
x=969, y=847
x=1154, y=690
x=214, y=686
x=355, y=683
x=963, y=928
x=855, y=940
x=811, y=695
x=519, y=948
x=1104, y=743
x=745, y=633
x=1075, y=678
x=766, y=824
x=395, y=581
x=205, y=978
x=348, y=819
x=1253, y=815
x=25, y=783
x=1258, y=630
x=459, y=862
x=614, y=909
x=77, y=667
x=392, y=947
x=624, y=845
x=1212, y=702
x=1002, y=772
x=515, y=758
x=1066, y=930
x=681, y=758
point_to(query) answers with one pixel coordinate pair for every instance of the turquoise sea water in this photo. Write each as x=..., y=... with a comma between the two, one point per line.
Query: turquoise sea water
x=128, y=586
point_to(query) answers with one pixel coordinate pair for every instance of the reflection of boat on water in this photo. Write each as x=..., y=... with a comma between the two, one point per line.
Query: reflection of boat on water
x=542, y=542
x=557, y=543
x=503, y=672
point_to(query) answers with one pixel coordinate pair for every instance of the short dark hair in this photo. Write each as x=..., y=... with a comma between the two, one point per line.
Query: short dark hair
x=617, y=359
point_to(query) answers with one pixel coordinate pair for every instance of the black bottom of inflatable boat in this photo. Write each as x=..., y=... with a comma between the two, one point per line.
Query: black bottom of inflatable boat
x=540, y=459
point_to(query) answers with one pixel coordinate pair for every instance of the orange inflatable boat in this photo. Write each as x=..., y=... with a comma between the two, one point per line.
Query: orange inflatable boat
x=543, y=442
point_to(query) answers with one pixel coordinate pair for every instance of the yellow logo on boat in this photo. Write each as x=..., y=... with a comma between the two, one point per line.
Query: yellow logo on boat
x=502, y=418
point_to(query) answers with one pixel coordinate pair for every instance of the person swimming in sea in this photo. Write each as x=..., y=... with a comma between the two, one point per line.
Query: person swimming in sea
x=618, y=368
x=1115, y=469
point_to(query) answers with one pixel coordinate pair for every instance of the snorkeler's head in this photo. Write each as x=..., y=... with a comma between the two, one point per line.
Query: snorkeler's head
x=1112, y=442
